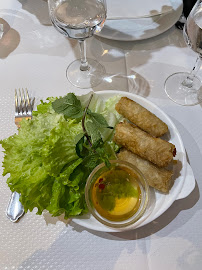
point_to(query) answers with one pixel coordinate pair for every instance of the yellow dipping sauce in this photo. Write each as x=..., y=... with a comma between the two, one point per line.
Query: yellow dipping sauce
x=116, y=194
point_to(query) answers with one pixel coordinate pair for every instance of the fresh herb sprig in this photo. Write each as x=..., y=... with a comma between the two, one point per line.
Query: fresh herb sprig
x=83, y=121
x=69, y=105
x=90, y=146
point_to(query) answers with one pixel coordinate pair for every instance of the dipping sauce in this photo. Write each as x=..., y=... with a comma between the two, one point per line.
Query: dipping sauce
x=116, y=194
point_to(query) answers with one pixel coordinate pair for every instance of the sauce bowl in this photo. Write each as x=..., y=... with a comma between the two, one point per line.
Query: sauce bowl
x=110, y=193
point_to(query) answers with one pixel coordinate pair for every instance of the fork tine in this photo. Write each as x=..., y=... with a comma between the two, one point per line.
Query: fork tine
x=16, y=102
x=24, y=109
x=27, y=96
x=32, y=105
x=23, y=103
x=20, y=110
x=29, y=106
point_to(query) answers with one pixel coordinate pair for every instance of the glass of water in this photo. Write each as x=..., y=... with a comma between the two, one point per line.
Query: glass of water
x=186, y=88
x=80, y=19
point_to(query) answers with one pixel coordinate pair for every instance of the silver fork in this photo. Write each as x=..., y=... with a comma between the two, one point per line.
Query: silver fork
x=23, y=109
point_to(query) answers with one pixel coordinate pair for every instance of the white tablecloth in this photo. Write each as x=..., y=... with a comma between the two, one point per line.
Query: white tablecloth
x=36, y=56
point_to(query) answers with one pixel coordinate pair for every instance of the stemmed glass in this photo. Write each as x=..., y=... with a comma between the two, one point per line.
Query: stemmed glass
x=80, y=19
x=186, y=88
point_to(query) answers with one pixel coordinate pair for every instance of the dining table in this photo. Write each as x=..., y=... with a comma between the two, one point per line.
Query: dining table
x=35, y=56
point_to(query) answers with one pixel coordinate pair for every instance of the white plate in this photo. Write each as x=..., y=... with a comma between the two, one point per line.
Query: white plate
x=161, y=201
x=139, y=29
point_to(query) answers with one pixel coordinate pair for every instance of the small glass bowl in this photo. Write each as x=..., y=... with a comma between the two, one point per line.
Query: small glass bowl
x=140, y=179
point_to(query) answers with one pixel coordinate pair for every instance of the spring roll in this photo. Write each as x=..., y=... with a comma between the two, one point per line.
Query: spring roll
x=155, y=150
x=158, y=178
x=141, y=117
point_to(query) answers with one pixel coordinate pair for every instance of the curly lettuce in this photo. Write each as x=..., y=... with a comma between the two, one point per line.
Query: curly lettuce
x=43, y=164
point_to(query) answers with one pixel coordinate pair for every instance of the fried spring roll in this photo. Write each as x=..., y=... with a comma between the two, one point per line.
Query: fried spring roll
x=141, y=117
x=156, y=150
x=158, y=178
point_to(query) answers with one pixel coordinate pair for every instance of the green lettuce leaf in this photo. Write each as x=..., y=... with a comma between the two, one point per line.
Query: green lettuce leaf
x=42, y=164
x=36, y=157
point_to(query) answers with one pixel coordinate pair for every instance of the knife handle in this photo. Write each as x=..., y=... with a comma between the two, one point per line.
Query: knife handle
x=15, y=209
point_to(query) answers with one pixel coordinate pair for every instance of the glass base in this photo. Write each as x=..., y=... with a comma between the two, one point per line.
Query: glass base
x=85, y=79
x=179, y=93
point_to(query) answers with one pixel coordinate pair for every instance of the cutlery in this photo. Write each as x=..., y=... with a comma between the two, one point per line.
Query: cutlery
x=23, y=110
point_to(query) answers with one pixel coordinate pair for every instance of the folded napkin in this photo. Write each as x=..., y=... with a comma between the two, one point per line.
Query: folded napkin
x=119, y=9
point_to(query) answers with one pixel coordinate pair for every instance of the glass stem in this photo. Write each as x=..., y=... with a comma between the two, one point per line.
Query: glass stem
x=188, y=82
x=1, y=30
x=84, y=63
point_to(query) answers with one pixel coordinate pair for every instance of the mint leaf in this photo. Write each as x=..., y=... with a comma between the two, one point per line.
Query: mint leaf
x=103, y=156
x=92, y=131
x=98, y=120
x=81, y=148
x=69, y=105
x=91, y=161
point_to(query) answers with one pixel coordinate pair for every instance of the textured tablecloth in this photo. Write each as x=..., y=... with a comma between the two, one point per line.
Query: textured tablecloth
x=36, y=56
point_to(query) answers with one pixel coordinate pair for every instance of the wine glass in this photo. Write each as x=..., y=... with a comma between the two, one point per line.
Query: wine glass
x=186, y=88
x=80, y=19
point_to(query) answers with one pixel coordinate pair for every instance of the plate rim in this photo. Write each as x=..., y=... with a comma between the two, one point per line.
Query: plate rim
x=79, y=220
x=176, y=12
